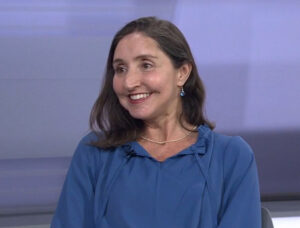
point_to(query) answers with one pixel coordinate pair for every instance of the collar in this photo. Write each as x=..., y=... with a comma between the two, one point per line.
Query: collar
x=199, y=147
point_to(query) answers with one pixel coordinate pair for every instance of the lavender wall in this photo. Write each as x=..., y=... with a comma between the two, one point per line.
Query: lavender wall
x=249, y=57
x=52, y=56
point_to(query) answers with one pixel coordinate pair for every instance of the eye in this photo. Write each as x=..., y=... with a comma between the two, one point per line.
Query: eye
x=120, y=69
x=147, y=66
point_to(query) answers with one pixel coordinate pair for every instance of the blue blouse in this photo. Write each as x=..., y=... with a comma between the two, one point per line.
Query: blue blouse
x=211, y=184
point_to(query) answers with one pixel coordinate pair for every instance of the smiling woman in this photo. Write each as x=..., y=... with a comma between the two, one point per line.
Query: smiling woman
x=148, y=58
x=152, y=159
x=145, y=81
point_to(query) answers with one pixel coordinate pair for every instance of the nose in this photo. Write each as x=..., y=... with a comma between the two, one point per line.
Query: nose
x=132, y=80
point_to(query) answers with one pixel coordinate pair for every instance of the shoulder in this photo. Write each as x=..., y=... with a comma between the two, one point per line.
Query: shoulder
x=86, y=154
x=235, y=157
x=88, y=138
x=233, y=148
x=85, y=144
x=87, y=151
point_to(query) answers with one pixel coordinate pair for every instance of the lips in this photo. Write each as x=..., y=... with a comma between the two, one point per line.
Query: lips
x=139, y=97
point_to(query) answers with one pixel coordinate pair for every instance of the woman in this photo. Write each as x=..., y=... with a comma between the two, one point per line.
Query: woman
x=157, y=163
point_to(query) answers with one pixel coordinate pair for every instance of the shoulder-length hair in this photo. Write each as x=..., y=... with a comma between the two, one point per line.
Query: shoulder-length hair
x=114, y=122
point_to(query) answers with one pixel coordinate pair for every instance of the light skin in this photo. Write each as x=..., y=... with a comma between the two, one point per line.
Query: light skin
x=148, y=87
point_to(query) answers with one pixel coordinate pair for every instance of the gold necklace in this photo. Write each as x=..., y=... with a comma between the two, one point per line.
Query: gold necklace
x=168, y=141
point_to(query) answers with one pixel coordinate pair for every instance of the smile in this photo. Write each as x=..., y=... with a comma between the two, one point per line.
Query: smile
x=139, y=96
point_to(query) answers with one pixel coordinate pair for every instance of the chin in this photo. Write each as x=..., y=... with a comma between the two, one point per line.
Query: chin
x=138, y=116
x=142, y=115
x=141, y=112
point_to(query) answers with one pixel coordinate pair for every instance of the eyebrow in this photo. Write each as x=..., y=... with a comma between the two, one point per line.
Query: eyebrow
x=136, y=58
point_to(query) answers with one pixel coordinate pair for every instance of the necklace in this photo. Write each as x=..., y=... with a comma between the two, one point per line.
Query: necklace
x=168, y=141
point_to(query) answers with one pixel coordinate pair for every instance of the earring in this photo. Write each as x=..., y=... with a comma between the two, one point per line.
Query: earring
x=182, y=93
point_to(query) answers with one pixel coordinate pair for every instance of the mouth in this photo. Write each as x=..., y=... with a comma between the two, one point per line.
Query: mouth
x=139, y=97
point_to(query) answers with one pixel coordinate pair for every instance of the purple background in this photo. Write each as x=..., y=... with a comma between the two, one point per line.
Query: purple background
x=52, y=57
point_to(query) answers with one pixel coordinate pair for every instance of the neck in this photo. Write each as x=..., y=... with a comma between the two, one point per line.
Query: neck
x=166, y=130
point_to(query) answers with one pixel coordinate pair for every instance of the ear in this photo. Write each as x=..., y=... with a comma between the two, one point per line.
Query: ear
x=183, y=73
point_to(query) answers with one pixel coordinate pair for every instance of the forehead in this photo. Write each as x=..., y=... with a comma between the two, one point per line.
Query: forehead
x=136, y=44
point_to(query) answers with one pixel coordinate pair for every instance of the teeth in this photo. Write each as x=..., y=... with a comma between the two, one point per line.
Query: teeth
x=139, y=96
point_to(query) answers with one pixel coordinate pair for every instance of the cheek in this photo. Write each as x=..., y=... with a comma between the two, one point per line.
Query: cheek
x=155, y=82
x=117, y=85
x=165, y=83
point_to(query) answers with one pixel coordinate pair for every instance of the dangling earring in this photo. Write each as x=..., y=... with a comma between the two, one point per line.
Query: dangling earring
x=182, y=93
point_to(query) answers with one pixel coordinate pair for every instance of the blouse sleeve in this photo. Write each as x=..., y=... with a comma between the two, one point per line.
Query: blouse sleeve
x=76, y=203
x=241, y=198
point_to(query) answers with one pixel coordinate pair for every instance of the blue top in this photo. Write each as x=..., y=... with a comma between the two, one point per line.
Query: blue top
x=211, y=184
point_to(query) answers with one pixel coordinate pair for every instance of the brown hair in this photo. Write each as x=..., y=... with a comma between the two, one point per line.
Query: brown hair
x=115, y=122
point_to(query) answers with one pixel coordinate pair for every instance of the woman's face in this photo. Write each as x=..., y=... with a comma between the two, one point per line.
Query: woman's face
x=145, y=81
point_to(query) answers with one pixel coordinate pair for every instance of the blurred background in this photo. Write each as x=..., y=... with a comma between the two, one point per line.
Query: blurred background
x=52, y=58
